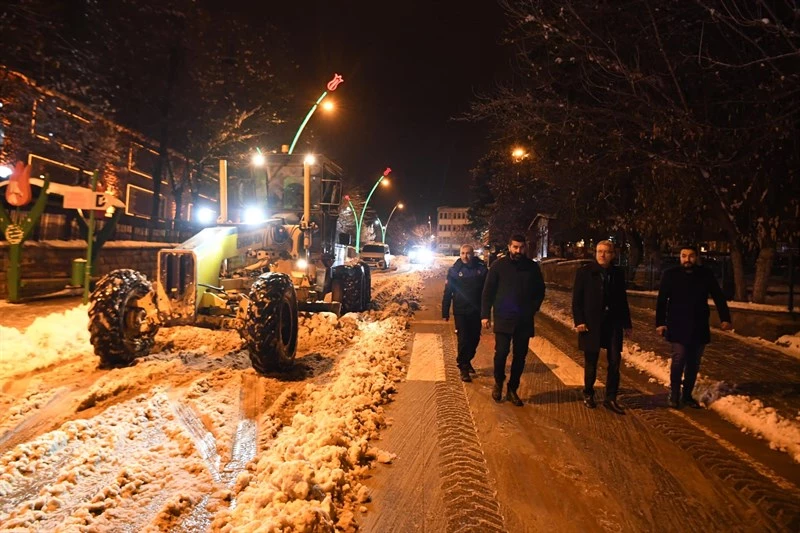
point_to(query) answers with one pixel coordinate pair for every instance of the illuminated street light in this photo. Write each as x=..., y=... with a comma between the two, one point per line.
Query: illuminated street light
x=383, y=227
x=258, y=158
x=519, y=153
x=332, y=85
x=360, y=219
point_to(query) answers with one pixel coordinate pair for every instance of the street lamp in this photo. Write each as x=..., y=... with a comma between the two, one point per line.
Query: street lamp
x=308, y=160
x=360, y=219
x=384, y=226
x=258, y=158
x=519, y=153
x=332, y=85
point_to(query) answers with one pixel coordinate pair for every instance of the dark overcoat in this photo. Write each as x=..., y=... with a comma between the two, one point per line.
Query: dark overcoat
x=682, y=304
x=515, y=291
x=589, y=306
x=463, y=287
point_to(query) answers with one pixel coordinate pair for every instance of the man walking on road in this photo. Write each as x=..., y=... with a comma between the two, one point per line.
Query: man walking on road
x=601, y=314
x=515, y=290
x=682, y=318
x=463, y=288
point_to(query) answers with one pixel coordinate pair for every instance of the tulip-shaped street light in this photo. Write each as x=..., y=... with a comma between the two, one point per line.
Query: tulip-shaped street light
x=332, y=85
x=384, y=226
x=360, y=219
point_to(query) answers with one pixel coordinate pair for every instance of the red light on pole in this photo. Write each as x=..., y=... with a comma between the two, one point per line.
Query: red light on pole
x=334, y=83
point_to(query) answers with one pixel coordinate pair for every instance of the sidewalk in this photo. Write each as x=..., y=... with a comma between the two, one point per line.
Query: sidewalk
x=752, y=385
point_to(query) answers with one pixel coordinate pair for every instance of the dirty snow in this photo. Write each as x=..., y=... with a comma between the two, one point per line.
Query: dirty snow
x=747, y=413
x=167, y=442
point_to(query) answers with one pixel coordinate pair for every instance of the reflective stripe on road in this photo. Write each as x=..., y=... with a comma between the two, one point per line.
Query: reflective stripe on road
x=568, y=371
x=427, y=358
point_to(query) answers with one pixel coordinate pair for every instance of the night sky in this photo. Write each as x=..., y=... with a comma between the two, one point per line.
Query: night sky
x=409, y=67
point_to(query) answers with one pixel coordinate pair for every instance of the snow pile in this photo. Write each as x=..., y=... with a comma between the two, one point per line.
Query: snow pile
x=47, y=341
x=324, y=329
x=193, y=339
x=791, y=343
x=750, y=415
x=147, y=455
x=87, y=468
x=397, y=295
x=36, y=399
x=308, y=477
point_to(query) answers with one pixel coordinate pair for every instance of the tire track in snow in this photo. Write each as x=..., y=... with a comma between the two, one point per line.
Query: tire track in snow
x=243, y=450
x=468, y=494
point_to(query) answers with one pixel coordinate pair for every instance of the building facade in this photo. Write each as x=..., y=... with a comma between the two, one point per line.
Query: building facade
x=452, y=229
x=67, y=141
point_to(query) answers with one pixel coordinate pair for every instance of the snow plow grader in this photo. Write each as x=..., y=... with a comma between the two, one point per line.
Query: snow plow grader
x=221, y=278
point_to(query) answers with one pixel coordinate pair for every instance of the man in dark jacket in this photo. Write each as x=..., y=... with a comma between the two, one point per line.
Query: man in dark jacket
x=682, y=317
x=515, y=290
x=601, y=314
x=463, y=288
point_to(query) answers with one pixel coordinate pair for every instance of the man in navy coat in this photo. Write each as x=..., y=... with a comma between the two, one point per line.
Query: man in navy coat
x=462, y=290
x=601, y=314
x=682, y=318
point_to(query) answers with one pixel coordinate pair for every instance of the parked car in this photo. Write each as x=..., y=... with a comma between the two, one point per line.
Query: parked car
x=376, y=255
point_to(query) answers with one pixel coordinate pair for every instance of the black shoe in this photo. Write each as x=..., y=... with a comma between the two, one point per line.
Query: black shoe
x=673, y=401
x=613, y=406
x=513, y=398
x=588, y=401
x=691, y=402
x=497, y=392
x=470, y=369
x=465, y=377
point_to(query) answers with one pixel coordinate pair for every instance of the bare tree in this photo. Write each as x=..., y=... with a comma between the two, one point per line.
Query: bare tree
x=623, y=98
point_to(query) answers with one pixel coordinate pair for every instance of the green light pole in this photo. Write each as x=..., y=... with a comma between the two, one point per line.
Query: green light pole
x=383, y=227
x=360, y=219
x=332, y=85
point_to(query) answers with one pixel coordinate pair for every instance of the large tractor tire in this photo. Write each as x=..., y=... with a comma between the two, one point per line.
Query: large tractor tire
x=348, y=287
x=270, y=326
x=118, y=325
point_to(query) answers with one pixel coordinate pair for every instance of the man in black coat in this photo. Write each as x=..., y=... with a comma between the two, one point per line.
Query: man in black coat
x=682, y=317
x=601, y=314
x=515, y=290
x=462, y=289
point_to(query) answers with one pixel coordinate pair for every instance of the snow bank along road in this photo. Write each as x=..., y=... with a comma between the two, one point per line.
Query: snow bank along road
x=190, y=438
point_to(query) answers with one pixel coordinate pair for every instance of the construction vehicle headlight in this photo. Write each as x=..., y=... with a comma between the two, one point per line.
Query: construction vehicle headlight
x=205, y=215
x=253, y=215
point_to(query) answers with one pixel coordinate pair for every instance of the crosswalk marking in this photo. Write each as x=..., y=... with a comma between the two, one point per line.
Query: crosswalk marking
x=568, y=371
x=427, y=358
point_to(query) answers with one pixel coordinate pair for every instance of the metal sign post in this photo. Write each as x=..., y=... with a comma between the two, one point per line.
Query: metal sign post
x=89, y=241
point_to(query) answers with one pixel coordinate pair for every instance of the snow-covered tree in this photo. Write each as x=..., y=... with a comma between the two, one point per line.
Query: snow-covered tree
x=637, y=108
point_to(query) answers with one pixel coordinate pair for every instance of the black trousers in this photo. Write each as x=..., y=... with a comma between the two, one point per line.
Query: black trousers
x=502, y=346
x=468, y=328
x=612, y=341
x=686, y=364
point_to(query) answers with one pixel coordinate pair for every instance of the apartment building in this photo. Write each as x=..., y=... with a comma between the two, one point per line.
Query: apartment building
x=452, y=229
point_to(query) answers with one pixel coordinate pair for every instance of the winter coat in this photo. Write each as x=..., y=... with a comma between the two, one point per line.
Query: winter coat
x=463, y=287
x=592, y=307
x=515, y=291
x=682, y=304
